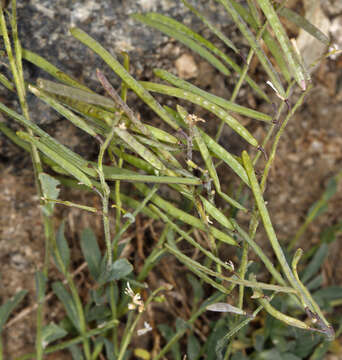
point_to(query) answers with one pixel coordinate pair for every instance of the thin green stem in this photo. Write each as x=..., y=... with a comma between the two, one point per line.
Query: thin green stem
x=105, y=197
x=128, y=335
x=76, y=298
x=129, y=222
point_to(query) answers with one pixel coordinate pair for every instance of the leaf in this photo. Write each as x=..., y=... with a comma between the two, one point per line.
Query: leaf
x=248, y=35
x=52, y=70
x=7, y=308
x=180, y=32
x=298, y=71
x=68, y=114
x=316, y=263
x=199, y=100
x=120, y=269
x=303, y=23
x=193, y=347
x=50, y=191
x=168, y=333
x=197, y=288
x=225, y=104
x=329, y=293
x=91, y=252
x=109, y=350
x=76, y=352
x=216, y=214
x=68, y=302
x=123, y=74
x=184, y=216
x=214, y=29
x=52, y=332
x=58, y=158
x=63, y=249
x=98, y=313
x=40, y=279
x=305, y=344
x=198, y=42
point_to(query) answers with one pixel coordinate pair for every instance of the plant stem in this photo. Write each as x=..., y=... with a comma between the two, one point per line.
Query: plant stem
x=105, y=197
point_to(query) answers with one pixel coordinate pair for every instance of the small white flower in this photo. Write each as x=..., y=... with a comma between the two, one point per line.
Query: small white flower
x=231, y=264
x=147, y=328
x=128, y=290
x=137, y=302
x=122, y=126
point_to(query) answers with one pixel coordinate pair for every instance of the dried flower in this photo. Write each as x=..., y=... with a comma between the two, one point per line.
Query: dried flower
x=147, y=328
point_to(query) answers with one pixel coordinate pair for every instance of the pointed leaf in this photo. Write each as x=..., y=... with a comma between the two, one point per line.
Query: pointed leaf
x=68, y=302
x=40, y=286
x=193, y=347
x=63, y=249
x=315, y=264
x=52, y=332
x=91, y=252
x=50, y=191
x=7, y=308
x=303, y=23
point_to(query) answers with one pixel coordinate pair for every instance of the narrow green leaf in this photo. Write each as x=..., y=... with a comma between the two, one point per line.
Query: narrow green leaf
x=91, y=252
x=213, y=28
x=280, y=33
x=207, y=159
x=76, y=94
x=215, y=213
x=315, y=263
x=52, y=70
x=304, y=24
x=123, y=74
x=193, y=348
x=51, y=333
x=200, y=270
x=40, y=280
x=61, y=161
x=51, y=142
x=228, y=158
x=119, y=269
x=7, y=308
x=4, y=81
x=183, y=34
x=76, y=120
x=76, y=352
x=199, y=100
x=68, y=302
x=266, y=219
x=270, y=42
x=140, y=149
x=63, y=248
x=190, y=240
x=225, y=104
x=50, y=190
x=197, y=287
x=185, y=217
x=248, y=35
x=232, y=202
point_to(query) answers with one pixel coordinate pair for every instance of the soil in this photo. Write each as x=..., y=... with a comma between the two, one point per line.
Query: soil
x=309, y=154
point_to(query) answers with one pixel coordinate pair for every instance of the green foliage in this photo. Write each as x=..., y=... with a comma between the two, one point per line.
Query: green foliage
x=293, y=309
